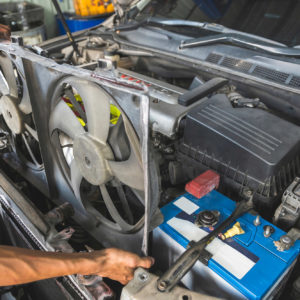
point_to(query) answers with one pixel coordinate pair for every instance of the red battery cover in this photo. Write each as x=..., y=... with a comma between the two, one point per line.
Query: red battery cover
x=203, y=184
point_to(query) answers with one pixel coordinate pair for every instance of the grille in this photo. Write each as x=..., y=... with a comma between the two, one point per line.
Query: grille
x=270, y=74
x=259, y=71
x=236, y=64
x=295, y=81
x=214, y=58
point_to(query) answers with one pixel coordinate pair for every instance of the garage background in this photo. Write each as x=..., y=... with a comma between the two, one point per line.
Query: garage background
x=50, y=21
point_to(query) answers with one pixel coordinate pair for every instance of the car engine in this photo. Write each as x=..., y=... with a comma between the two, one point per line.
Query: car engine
x=105, y=143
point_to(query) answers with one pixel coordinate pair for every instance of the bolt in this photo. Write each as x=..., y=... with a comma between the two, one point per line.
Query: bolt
x=286, y=239
x=207, y=214
x=168, y=150
x=257, y=222
x=162, y=286
x=143, y=276
x=249, y=193
x=268, y=230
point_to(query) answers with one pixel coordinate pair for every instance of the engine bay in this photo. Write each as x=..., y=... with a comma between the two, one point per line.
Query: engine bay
x=73, y=140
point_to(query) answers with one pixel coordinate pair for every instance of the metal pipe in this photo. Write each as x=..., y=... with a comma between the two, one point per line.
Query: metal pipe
x=66, y=27
x=144, y=120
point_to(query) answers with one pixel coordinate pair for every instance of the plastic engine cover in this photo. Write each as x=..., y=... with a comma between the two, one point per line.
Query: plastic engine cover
x=246, y=266
x=246, y=146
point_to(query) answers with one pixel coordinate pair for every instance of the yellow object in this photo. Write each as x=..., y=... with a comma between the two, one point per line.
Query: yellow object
x=76, y=6
x=78, y=99
x=101, y=10
x=114, y=114
x=235, y=230
x=114, y=111
x=93, y=7
x=110, y=8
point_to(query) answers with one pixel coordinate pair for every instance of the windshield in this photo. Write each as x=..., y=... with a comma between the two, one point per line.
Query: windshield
x=273, y=19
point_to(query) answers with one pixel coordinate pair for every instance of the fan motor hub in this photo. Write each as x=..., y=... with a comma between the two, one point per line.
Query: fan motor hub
x=91, y=158
x=12, y=114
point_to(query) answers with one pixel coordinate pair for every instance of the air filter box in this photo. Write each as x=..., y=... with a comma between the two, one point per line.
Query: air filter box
x=246, y=266
x=246, y=146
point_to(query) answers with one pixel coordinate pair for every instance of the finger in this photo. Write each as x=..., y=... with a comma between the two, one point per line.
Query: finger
x=123, y=282
x=130, y=277
x=127, y=278
x=146, y=262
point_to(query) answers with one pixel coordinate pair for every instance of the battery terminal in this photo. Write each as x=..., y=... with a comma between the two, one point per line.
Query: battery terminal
x=235, y=230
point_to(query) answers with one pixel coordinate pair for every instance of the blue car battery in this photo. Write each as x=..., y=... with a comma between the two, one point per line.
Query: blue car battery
x=245, y=266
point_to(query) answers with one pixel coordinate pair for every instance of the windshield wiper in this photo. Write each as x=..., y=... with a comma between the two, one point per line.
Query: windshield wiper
x=213, y=27
x=224, y=35
x=241, y=41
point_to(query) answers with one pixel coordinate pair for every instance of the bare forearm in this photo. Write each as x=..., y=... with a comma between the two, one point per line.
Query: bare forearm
x=19, y=266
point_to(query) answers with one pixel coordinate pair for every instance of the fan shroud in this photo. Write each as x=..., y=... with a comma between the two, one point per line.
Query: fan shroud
x=17, y=118
x=93, y=152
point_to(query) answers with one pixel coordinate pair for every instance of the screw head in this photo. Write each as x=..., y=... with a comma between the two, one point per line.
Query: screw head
x=268, y=230
x=143, y=277
x=286, y=239
x=162, y=286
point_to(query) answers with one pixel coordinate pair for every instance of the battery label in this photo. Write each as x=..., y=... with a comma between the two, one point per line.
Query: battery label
x=186, y=205
x=237, y=262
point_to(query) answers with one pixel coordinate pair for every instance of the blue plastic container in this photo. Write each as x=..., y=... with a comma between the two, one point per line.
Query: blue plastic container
x=76, y=23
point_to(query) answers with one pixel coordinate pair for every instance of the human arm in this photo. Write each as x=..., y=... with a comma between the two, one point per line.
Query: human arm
x=18, y=265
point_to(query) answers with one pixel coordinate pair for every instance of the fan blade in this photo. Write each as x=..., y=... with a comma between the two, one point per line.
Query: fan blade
x=25, y=105
x=129, y=172
x=4, y=89
x=76, y=179
x=124, y=202
x=76, y=105
x=64, y=119
x=134, y=141
x=9, y=75
x=30, y=151
x=97, y=106
x=113, y=210
x=32, y=131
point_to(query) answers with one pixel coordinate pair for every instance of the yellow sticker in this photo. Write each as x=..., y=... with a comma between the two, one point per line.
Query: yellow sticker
x=114, y=114
x=114, y=111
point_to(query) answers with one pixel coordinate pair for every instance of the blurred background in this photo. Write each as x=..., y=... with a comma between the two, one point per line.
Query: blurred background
x=36, y=20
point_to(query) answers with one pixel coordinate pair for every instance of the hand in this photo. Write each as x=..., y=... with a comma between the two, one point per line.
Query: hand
x=120, y=265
